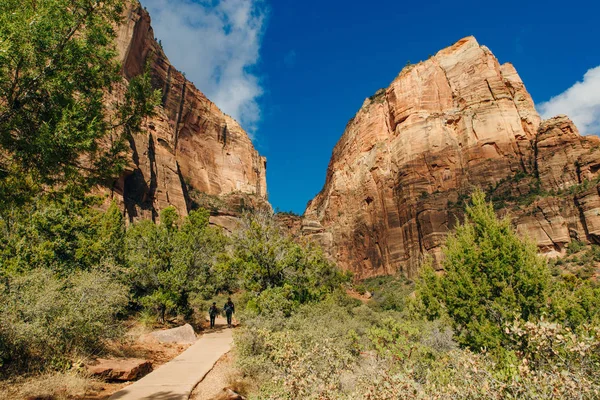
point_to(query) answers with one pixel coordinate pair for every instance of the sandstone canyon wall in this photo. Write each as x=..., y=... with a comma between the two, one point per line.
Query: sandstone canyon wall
x=399, y=176
x=190, y=147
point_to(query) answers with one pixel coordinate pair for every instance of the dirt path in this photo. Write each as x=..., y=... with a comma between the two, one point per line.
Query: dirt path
x=218, y=378
x=176, y=379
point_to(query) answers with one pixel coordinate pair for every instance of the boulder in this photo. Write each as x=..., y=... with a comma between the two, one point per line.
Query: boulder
x=181, y=335
x=126, y=369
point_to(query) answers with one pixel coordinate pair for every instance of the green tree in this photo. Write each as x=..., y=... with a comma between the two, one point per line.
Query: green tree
x=62, y=235
x=58, y=124
x=491, y=276
x=169, y=262
x=275, y=270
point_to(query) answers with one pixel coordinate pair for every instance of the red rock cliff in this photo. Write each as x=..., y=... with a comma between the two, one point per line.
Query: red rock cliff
x=406, y=162
x=190, y=146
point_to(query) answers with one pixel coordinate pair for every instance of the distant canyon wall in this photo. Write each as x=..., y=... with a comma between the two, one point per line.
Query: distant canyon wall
x=399, y=175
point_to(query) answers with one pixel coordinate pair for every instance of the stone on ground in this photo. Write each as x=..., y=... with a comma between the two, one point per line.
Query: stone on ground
x=182, y=335
x=126, y=369
x=228, y=394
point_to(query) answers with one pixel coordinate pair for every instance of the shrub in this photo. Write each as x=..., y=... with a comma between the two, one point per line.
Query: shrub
x=389, y=292
x=278, y=272
x=321, y=349
x=574, y=301
x=491, y=275
x=575, y=247
x=46, y=318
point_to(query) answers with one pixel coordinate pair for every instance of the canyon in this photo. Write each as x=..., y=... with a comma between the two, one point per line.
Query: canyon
x=398, y=178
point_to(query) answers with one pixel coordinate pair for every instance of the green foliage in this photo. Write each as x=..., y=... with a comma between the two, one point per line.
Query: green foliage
x=57, y=125
x=45, y=317
x=575, y=247
x=574, y=302
x=62, y=235
x=337, y=349
x=168, y=262
x=274, y=269
x=389, y=292
x=324, y=348
x=491, y=276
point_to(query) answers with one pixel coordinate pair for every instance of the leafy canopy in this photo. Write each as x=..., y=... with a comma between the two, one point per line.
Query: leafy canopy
x=278, y=273
x=59, y=122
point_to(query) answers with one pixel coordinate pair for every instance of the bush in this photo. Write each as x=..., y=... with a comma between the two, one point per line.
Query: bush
x=277, y=272
x=321, y=349
x=46, y=318
x=170, y=262
x=574, y=301
x=575, y=247
x=491, y=275
x=389, y=292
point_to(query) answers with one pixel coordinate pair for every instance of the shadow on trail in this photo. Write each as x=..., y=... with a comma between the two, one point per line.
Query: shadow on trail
x=217, y=328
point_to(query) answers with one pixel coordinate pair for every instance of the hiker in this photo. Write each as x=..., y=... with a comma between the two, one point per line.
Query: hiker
x=229, y=310
x=213, y=311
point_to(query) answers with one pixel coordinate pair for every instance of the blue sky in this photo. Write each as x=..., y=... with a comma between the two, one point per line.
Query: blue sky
x=294, y=72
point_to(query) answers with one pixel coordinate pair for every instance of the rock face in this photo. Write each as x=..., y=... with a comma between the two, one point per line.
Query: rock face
x=189, y=147
x=398, y=177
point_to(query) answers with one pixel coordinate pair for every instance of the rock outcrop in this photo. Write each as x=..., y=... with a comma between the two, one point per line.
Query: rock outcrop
x=399, y=176
x=189, y=147
x=124, y=369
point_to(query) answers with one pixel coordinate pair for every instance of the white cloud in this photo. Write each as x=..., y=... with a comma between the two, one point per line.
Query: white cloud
x=581, y=102
x=216, y=43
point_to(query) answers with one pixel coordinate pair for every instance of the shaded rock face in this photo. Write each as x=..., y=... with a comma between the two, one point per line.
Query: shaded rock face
x=189, y=146
x=399, y=176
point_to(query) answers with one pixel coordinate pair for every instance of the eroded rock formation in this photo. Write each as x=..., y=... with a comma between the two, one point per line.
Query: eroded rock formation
x=398, y=177
x=190, y=146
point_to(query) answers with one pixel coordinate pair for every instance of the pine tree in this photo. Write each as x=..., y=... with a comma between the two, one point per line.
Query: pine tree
x=491, y=275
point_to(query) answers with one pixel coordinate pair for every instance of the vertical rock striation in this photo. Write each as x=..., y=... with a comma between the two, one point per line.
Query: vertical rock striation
x=398, y=177
x=190, y=146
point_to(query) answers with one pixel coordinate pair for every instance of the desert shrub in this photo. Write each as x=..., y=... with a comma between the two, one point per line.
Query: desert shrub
x=490, y=276
x=320, y=350
x=461, y=374
x=389, y=292
x=550, y=346
x=574, y=301
x=46, y=318
x=361, y=289
x=575, y=247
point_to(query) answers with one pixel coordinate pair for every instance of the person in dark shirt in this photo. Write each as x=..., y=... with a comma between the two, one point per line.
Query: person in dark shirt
x=213, y=311
x=229, y=310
